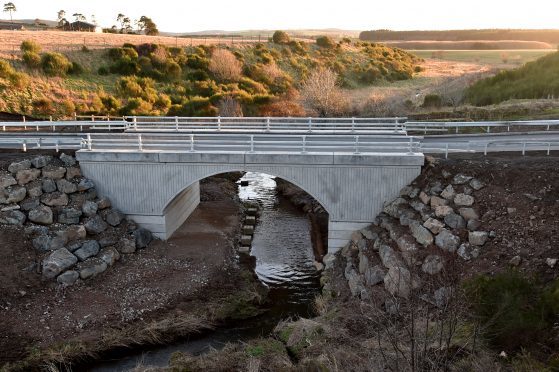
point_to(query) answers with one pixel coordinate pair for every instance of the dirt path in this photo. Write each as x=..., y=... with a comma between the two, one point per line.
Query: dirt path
x=196, y=264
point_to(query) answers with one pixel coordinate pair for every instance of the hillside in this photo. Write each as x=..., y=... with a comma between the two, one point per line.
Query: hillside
x=545, y=36
x=535, y=80
x=153, y=79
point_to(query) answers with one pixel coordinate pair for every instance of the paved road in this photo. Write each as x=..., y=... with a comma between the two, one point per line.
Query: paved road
x=548, y=140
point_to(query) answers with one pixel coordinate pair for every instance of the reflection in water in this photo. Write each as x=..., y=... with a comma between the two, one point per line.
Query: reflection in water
x=284, y=257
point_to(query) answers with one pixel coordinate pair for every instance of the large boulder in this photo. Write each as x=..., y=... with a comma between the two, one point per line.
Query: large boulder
x=447, y=241
x=25, y=176
x=67, y=160
x=85, y=185
x=54, y=172
x=89, y=208
x=433, y=225
x=421, y=234
x=7, y=180
x=66, y=186
x=109, y=255
x=95, y=225
x=114, y=217
x=68, y=277
x=92, y=267
x=48, y=185
x=40, y=161
x=13, y=217
x=12, y=194
x=433, y=264
x=69, y=216
x=398, y=282
x=142, y=237
x=463, y=200
x=19, y=166
x=55, y=199
x=478, y=238
x=57, y=262
x=88, y=249
x=455, y=221
x=42, y=215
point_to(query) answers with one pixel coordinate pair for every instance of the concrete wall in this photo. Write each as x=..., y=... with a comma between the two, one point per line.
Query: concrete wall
x=352, y=188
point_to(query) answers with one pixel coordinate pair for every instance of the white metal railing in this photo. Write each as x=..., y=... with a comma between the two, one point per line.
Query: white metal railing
x=58, y=125
x=232, y=143
x=266, y=124
x=436, y=126
x=483, y=146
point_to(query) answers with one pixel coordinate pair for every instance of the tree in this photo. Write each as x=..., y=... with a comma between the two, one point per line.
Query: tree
x=280, y=37
x=321, y=95
x=10, y=8
x=61, y=15
x=79, y=17
x=125, y=23
x=146, y=24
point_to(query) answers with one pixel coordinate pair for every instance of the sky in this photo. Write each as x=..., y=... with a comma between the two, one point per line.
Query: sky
x=188, y=15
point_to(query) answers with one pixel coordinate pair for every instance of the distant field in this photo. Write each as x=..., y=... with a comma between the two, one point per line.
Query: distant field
x=72, y=41
x=469, y=45
x=489, y=57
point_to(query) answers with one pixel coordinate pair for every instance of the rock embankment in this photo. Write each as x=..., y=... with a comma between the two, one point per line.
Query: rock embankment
x=78, y=232
x=415, y=237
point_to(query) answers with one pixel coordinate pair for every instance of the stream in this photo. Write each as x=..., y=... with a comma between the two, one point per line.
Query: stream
x=283, y=251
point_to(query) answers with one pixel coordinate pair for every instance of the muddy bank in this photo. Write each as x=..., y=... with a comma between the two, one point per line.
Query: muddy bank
x=171, y=289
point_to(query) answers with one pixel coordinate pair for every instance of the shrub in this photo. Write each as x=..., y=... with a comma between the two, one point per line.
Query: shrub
x=31, y=59
x=197, y=62
x=85, y=49
x=67, y=108
x=281, y=37
x=432, y=101
x=129, y=87
x=136, y=106
x=30, y=46
x=43, y=107
x=55, y=64
x=103, y=70
x=197, y=75
x=125, y=66
x=320, y=93
x=173, y=70
x=325, y=42
x=515, y=312
x=224, y=66
x=76, y=69
x=111, y=104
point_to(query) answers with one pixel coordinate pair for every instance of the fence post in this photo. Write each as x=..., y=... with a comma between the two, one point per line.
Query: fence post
x=140, y=145
x=251, y=143
x=548, y=148
x=352, y=124
x=57, y=147
x=24, y=126
x=92, y=118
x=304, y=144
x=219, y=123
x=24, y=146
x=177, y=123
x=268, y=124
x=446, y=151
x=356, y=145
x=411, y=145
x=89, y=144
x=310, y=123
x=523, y=147
x=192, y=143
x=485, y=150
x=135, y=121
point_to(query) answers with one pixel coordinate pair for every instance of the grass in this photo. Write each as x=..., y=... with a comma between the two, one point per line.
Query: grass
x=489, y=57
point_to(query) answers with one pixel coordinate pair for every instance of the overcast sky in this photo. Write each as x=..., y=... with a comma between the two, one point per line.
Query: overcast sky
x=188, y=15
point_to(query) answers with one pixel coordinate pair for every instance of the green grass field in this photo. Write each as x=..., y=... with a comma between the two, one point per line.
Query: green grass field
x=491, y=57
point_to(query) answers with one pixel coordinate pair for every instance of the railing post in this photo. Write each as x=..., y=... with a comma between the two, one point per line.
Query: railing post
x=57, y=147
x=548, y=148
x=268, y=124
x=251, y=143
x=24, y=126
x=410, y=145
x=352, y=125
x=485, y=150
x=24, y=146
x=523, y=148
x=446, y=151
x=75, y=116
x=177, y=123
x=219, y=123
x=356, y=145
x=89, y=143
x=304, y=144
x=92, y=118
x=135, y=121
x=50, y=119
x=140, y=144
x=310, y=123
x=192, y=143
x=39, y=143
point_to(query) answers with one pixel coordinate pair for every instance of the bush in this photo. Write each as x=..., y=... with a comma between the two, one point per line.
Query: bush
x=173, y=70
x=514, y=311
x=281, y=37
x=103, y=70
x=325, y=42
x=225, y=66
x=197, y=62
x=55, y=64
x=128, y=87
x=31, y=59
x=111, y=104
x=30, y=46
x=67, y=108
x=432, y=101
x=137, y=106
x=43, y=107
x=76, y=69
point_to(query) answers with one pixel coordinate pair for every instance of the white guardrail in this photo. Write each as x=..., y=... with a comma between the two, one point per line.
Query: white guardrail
x=287, y=125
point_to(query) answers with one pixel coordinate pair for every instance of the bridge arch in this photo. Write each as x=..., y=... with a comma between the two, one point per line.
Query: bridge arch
x=159, y=189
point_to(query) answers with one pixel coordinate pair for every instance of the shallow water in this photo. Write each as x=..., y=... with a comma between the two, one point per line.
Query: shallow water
x=283, y=252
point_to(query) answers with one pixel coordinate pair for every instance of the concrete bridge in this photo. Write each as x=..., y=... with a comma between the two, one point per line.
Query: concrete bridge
x=158, y=187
